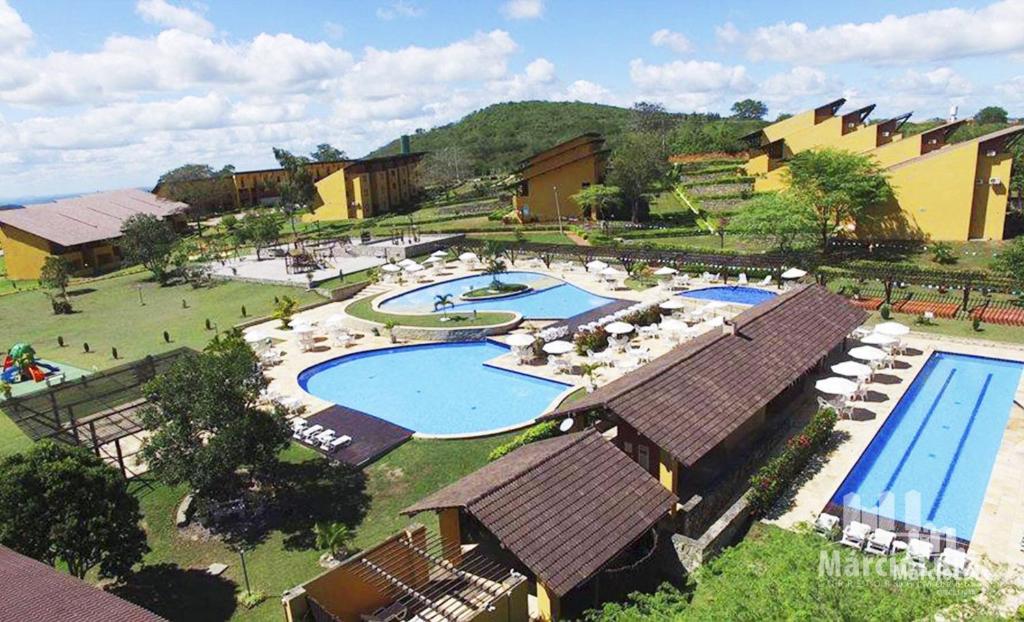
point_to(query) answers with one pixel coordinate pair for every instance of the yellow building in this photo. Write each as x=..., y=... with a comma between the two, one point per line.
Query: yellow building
x=547, y=180
x=958, y=192
x=368, y=187
x=253, y=188
x=84, y=230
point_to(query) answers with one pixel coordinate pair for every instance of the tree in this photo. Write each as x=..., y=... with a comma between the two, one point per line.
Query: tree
x=991, y=114
x=284, y=310
x=261, y=229
x=1010, y=261
x=203, y=188
x=784, y=218
x=333, y=538
x=297, y=191
x=443, y=302
x=749, y=109
x=598, y=200
x=64, y=506
x=495, y=268
x=721, y=225
x=839, y=185
x=652, y=118
x=56, y=274
x=326, y=153
x=207, y=428
x=147, y=240
x=637, y=164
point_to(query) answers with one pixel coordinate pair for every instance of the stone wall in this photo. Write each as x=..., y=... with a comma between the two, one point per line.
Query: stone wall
x=720, y=190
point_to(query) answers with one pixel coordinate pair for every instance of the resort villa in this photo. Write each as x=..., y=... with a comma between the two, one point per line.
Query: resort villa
x=366, y=188
x=546, y=180
x=943, y=191
x=84, y=230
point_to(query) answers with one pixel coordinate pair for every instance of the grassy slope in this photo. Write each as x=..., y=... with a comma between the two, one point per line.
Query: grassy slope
x=497, y=137
x=403, y=476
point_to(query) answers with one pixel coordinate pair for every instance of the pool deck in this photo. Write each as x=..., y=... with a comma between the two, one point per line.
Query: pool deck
x=284, y=376
x=999, y=531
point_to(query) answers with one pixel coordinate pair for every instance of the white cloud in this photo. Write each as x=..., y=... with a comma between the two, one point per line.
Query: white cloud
x=398, y=9
x=162, y=13
x=587, y=91
x=943, y=81
x=675, y=41
x=688, y=76
x=927, y=36
x=334, y=30
x=798, y=82
x=14, y=32
x=541, y=70
x=523, y=9
x=728, y=33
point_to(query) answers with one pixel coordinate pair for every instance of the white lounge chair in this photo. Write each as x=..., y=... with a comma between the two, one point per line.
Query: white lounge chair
x=880, y=542
x=827, y=525
x=919, y=552
x=309, y=432
x=298, y=426
x=628, y=364
x=341, y=441
x=324, y=437
x=766, y=281
x=855, y=535
x=953, y=562
x=742, y=279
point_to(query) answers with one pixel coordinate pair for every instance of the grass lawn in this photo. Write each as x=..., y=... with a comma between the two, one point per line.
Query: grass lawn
x=177, y=588
x=957, y=328
x=363, y=309
x=746, y=244
x=8, y=286
x=773, y=574
x=537, y=237
x=108, y=314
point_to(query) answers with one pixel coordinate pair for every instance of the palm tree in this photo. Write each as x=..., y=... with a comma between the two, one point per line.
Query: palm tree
x=495, y=268
x=589, y=371
x=443, y=302
x=332, y=537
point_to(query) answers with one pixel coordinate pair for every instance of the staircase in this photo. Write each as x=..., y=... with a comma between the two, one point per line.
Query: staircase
x=374, y=290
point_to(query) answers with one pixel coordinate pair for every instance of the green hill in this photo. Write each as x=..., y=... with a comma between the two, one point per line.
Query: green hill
x=497, y=137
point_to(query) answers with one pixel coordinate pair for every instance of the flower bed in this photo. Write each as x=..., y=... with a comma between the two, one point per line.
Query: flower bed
x=597, y=339
x=774, y=477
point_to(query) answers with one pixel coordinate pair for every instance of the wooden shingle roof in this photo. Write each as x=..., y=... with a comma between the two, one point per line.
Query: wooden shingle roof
x=565, y=506
x=34, y=591
x=692, y=398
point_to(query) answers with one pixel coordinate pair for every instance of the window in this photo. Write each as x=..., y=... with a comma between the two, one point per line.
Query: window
x=627, y=447
x=643, y=456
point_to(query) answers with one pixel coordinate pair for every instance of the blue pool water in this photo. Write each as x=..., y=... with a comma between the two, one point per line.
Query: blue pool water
x=553, y=303
x=930, y=463
x=438, y=388
x=731, y=293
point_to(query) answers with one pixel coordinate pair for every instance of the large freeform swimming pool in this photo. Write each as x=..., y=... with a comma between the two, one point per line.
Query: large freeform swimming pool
x=438, y=388
x=731, y=293
x=930, y=463
x=553, y=300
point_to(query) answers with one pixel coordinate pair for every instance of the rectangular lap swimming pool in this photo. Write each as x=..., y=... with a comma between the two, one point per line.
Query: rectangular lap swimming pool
x=929, y=464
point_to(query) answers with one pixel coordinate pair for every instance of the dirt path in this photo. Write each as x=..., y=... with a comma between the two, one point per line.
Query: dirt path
x=576, y=239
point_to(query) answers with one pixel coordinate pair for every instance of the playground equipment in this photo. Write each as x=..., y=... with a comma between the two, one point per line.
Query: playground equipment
x=20, y=365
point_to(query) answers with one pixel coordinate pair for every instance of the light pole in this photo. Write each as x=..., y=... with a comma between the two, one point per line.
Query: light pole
x=245, y=570
x=558, y=210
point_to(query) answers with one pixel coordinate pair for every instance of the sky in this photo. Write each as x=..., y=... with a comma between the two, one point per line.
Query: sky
x=101, y=94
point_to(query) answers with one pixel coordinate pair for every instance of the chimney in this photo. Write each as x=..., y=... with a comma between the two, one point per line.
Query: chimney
x=406, y=145
x=728, y=327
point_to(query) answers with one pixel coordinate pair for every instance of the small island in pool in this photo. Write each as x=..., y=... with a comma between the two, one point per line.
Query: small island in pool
x=496, y=290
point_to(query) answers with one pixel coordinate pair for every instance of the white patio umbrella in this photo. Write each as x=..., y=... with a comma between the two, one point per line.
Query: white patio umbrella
x=441, y=254
x=433, y=260
x=673, y=304
x=559, y=347
x=335, y=319
x=878, y=339
x=867, y=353
x=892, y=329
x=390, y=267
x=256, y=336
x=611, y=272
x=794, y=273
x=836, y=386
x=521, y=339
x=596, y=265
x=413, y=267
x=619, y=328
x=672, y=325
x=852, y=369
x=665, y=271
x=406, y=262
x=467, y=257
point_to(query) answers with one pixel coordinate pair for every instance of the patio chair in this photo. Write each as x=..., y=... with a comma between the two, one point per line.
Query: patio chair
x=953, y=562
x=649, y=331
x=341, y=441
x=628, y=364
x=642, y=353
x=309, y=432
x=827, y=525
x=766, y=281
x=880, y=542
x=919, y=552
x=855, y=535
x=742, y=279
x=860, y=332
x=341, y=338
x=298, y=425
x=324, y=437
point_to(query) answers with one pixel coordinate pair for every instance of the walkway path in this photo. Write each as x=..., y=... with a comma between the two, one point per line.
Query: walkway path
x=577, y=239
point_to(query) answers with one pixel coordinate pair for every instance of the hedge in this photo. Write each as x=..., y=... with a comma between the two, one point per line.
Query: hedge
x=539, y=432
x=771, y=480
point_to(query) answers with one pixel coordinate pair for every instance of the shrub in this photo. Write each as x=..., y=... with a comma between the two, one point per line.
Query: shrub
x=593, y=340
x=885, y=311
x=943, y=253
x=539, y=432
x=774, y=477
x=976, y=323
x=498, y=214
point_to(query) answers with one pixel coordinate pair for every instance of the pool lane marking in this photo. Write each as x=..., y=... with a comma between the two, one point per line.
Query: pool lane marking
x=917, y=436
x=959, y=449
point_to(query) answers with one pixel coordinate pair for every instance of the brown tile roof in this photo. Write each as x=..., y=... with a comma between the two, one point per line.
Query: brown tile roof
x=564, y=506
x=692, y=398
x=34, y=591
x=88, y=218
